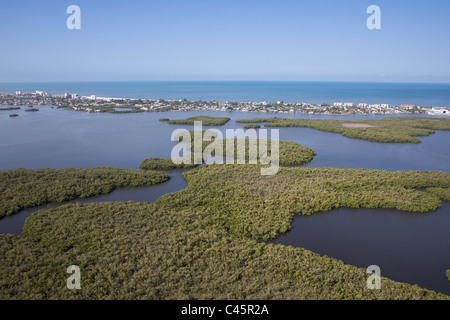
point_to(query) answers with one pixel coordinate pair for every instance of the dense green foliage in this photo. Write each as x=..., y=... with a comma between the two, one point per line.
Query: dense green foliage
x=164, y=119
x=206, y=121
x=32, y=110
x=202, y=242
x=442, y=193
x=13, y=115
x=108, y=108
x=290, y=153
x=164, y=164
x=261, y=207
x=21, y=188
x=447, y=273
x=9, y=108
x=252, y=126
x=390, y=129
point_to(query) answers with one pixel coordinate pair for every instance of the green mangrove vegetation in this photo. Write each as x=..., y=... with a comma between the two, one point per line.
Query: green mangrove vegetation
x=21, y=188
x=13, y=115
x=109, y=109
x=389, y=129
x=32, y=110
x=442, y=193
x=162, y=164
x=204, y=242
x=119, y=109
x=290, y=154
x=206, y=121
x=252, y=126
x=9, y=108
x=261, y=207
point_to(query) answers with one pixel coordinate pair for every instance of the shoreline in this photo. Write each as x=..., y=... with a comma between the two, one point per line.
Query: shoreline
x=225, y=102
x=131, y=109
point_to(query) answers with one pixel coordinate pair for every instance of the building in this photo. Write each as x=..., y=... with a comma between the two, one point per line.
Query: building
x=439, y=110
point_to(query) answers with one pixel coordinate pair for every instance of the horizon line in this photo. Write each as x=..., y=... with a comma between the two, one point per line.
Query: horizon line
x=168, y=81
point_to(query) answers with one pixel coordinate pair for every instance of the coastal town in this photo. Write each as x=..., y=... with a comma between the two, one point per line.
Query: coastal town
x=92, y=103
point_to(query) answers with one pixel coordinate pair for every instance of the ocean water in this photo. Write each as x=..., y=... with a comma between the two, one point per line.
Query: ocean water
x=422, y=94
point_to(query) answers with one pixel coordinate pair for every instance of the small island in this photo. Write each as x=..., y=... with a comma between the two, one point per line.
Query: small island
x=252, y=126
x=32, y=110
x=388, y=130
x=206, y=121
x=161, y=164
x=9, y=108
x=291, y=154
x=13, y=115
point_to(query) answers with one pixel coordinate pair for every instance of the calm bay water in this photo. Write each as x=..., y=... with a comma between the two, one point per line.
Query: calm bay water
x=413, y=248
x=408, y=247
x=56, y=138
x=425, y=94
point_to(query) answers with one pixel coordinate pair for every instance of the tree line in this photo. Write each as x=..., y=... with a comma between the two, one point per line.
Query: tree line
x=388, y=130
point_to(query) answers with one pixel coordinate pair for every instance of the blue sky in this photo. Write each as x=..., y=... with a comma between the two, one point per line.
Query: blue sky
x=321, y=40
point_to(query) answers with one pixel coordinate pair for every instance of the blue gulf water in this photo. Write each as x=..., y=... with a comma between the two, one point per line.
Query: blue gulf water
x=423, y=94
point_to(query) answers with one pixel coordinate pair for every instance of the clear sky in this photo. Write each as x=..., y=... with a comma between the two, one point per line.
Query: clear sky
x=320, y=40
